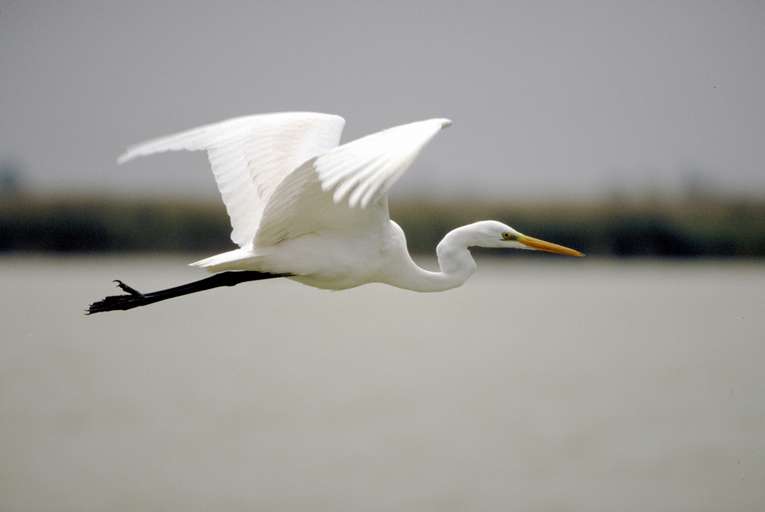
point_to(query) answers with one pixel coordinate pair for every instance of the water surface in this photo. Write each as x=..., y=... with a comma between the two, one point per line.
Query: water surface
x=565, y=385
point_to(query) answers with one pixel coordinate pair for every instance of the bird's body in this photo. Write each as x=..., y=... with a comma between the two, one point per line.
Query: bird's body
x=303, y=207
x=377, y=257
x=374, y=256
x=314, y=260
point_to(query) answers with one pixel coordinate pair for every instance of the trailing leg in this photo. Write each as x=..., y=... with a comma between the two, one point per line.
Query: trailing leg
x=134, y=298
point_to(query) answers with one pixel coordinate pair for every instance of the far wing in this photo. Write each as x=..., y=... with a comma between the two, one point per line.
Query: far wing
x=345, y=188
x=250, y=156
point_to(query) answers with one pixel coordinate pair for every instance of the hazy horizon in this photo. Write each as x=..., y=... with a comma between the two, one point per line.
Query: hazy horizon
x=548, y=99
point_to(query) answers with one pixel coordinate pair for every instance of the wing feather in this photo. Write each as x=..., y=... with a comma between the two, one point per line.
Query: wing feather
x=250, y=156
x=345, y=188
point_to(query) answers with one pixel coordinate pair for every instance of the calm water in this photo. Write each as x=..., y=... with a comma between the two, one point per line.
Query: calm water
x=568, y=385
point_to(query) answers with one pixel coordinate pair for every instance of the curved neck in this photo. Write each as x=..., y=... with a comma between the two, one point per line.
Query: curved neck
x=454, y=260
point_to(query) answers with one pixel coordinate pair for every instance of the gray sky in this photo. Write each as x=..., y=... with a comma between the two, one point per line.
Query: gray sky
x=548, y=98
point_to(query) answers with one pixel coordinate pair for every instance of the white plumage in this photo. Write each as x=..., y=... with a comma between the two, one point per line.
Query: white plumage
x=301, y=204
x=250, y=156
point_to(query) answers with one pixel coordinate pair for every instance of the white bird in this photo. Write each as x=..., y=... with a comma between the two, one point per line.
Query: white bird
x=305, y=208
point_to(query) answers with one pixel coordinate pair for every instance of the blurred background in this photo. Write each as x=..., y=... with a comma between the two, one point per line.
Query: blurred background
x=632, y=131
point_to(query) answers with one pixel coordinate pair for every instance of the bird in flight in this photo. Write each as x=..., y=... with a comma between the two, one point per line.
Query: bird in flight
x=305, y=208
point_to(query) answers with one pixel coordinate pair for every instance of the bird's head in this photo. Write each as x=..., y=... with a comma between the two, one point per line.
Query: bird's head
x=490, y=233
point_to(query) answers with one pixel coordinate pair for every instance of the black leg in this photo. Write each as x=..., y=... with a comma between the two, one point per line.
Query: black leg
x=134, y=298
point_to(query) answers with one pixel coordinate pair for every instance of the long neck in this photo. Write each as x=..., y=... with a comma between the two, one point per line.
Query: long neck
x=455, y=262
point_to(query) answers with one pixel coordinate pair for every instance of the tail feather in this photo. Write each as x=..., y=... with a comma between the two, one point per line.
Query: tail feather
x=238, y=259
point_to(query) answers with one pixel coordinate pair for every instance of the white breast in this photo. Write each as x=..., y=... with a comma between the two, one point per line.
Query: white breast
x=340, y=261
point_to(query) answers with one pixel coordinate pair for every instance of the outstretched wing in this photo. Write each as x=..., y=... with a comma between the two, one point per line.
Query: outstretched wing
x=250, y=156
x=345, y=188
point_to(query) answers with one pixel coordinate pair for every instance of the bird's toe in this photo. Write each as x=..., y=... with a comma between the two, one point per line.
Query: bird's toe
x=132, y=291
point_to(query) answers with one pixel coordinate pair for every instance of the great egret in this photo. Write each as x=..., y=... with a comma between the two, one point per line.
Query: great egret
x=308, y=209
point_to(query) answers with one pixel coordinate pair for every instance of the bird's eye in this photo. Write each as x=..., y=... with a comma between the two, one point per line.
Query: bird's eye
x=509, y=236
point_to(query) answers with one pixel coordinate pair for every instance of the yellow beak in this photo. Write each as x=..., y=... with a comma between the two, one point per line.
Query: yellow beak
x=541, y=245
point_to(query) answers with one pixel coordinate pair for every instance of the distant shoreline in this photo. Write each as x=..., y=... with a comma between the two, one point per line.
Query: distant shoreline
x=685, y=228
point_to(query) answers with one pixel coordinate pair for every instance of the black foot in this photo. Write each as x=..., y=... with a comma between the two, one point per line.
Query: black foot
x=119, y=302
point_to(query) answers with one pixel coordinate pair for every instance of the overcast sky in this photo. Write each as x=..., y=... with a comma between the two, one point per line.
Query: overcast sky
x=547, y=98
